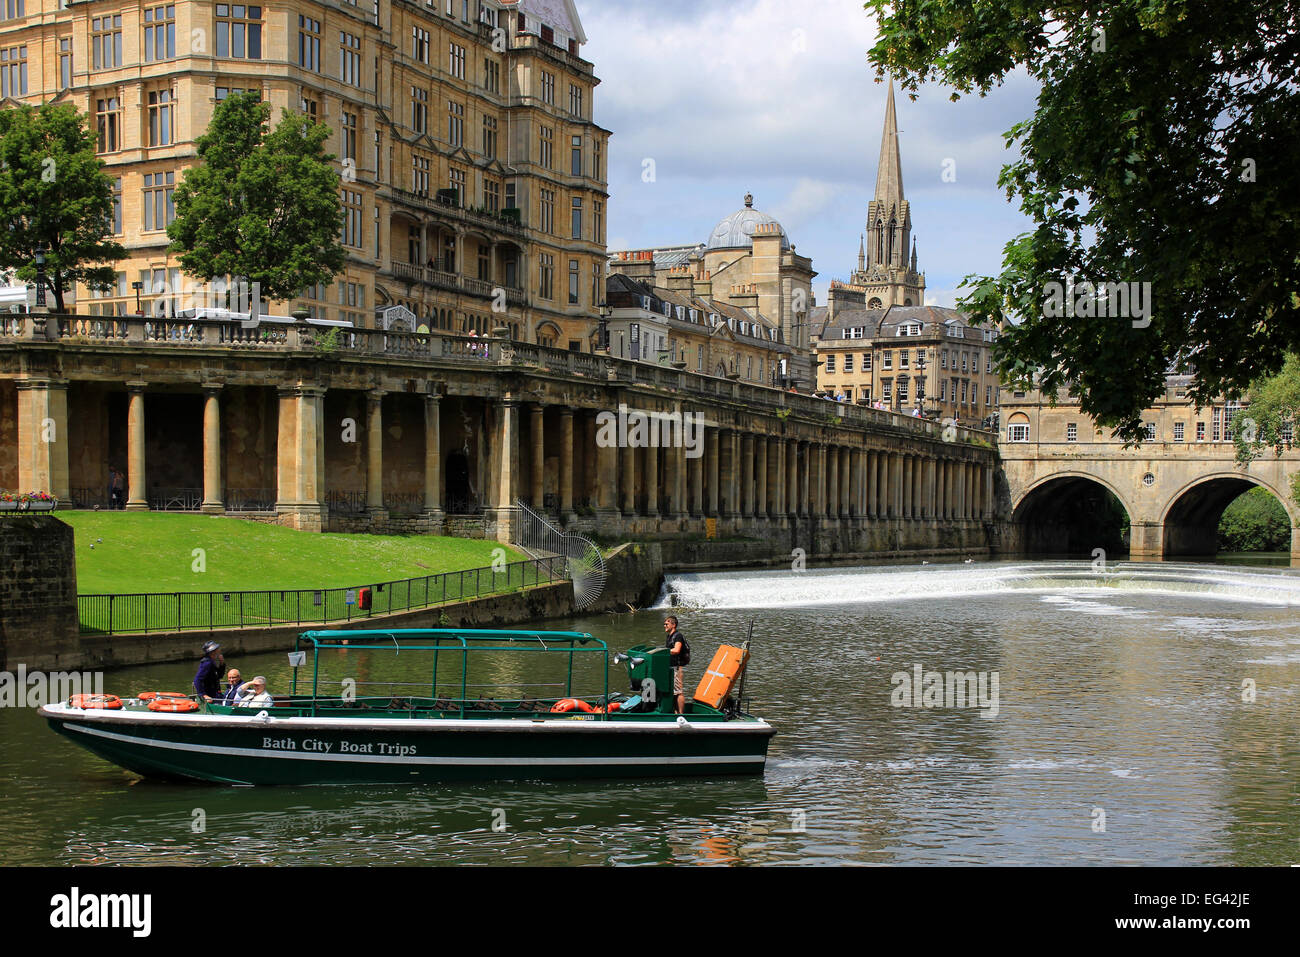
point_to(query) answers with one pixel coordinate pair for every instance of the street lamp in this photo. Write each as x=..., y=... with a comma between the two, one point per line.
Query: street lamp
x=602, y=336
x=137, y=286
x=40, y=276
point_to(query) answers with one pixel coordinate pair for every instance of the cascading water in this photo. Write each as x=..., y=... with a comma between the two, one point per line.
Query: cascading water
x=838, y=586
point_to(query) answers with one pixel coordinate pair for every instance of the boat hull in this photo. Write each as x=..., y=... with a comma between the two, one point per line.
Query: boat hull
x=295, y=750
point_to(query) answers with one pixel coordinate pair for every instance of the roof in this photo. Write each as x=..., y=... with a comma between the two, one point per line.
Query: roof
x=737, y=230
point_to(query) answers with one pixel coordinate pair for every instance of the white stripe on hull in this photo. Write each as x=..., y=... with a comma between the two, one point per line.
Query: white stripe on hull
x=440, y=761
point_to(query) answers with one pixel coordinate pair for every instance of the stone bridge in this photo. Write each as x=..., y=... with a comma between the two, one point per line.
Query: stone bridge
x=1174, y=488
x=371, y=430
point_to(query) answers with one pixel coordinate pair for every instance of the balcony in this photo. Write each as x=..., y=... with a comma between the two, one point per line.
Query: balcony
x=454, y=283
x=460, y=214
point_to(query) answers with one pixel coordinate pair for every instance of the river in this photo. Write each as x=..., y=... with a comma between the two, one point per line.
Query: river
x=1144, y=714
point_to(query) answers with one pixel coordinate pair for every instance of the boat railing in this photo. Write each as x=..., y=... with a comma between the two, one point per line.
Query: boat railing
x=442, y=642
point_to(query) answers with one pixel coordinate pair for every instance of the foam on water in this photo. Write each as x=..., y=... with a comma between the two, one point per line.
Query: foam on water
x=1074, y=585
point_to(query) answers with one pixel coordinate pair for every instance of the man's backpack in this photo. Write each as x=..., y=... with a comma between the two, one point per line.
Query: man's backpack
x=685, y=656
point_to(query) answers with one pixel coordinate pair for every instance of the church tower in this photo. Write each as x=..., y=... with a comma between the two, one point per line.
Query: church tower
x=885, y=273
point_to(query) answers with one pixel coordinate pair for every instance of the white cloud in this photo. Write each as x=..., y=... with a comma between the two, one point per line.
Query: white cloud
x=779, y=99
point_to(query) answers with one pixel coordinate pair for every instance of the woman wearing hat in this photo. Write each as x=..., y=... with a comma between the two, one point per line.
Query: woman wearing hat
x=207, y=682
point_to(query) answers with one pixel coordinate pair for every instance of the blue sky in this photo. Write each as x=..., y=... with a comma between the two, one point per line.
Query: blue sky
x=777, y=98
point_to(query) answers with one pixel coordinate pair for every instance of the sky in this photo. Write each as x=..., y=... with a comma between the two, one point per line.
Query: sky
x=777, y=98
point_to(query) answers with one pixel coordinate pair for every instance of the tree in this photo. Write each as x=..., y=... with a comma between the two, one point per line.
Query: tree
x=1159, y=153
x=1255, y=522
x=1268, y=423
x=260, y=206
x=54, y=197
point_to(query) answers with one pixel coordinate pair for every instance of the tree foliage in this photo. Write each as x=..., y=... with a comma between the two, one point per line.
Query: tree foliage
x=55, y=197
x=1255, y=522
x=261, y=206
x=1268, y=423
x=1159, y=152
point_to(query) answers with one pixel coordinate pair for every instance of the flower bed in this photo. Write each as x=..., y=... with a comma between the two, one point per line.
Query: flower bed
x=27, y=502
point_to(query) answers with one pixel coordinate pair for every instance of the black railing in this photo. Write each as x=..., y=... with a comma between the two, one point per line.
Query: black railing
x=175, y=499
x=464, y=505
x=340, y=502
x=404, y=503
x=90, y=498
x=251, y=499
x=209, y=611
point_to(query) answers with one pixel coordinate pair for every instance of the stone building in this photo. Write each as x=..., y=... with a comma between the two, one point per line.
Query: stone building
x=467, y=152
x=677, y=326
x=748, y=261
x=906, y=358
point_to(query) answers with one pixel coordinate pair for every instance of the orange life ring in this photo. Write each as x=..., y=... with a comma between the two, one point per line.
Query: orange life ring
x=152, y=695
x=173, y=705
x=572, y=704
x=91, y=702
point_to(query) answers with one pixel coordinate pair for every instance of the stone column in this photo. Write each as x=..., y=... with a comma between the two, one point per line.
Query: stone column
x=504, y=475
x=896, y=483
x=907, y=487
x=300, y=458
x=918, y=487
x=929, y=489
x=747, y=475
x=695, y=476
x=711, y=477
x=726, y=469
x=775, y=477
x=990, y=501
x=652, y=482
x=566, y=465
x=883, y=493
x=675, y=463
x=628, y=454
x=760, y=476
x=833, y=482
x=375, y=451
x=433, y=458
x=137, y=491
x=43, y=437
x=537, y=455
x=791, y=478
x=213, y=502
x=819, y=494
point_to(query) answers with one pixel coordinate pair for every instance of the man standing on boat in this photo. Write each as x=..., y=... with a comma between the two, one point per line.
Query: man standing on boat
x=678, y=648
x=207, y=682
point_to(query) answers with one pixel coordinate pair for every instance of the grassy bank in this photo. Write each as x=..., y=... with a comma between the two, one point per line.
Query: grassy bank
x=125, y=553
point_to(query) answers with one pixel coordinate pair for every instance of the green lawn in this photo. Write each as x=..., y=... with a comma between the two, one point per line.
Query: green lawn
x=125, y=553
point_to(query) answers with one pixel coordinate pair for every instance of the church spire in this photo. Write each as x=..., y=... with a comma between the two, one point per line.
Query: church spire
x=862, y=253
x=889, y=174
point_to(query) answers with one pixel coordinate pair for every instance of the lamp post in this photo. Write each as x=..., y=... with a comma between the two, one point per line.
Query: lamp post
x=602, y=334
x=40, y=277
x=137, y=286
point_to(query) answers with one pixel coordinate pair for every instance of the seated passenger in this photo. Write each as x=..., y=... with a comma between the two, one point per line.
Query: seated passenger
x=254, y=695
x=234, y=688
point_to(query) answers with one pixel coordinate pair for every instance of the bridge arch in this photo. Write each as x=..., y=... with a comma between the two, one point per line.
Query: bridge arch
x=1190, y=517
x=1071, y=512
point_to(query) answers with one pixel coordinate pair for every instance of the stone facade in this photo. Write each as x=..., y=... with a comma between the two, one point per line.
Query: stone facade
x=38, y=594
x=490, y=99
x=1174, y=486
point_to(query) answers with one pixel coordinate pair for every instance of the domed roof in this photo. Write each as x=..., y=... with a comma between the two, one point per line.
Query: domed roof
x=737, y=230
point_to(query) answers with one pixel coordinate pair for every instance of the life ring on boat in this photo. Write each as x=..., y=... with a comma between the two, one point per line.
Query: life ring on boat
x=154, y=695
x=173, y=705
x=92, y=702
x=572, y=704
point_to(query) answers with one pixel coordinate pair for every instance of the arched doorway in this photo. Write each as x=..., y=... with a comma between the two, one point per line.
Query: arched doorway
x=1071, y=516
x=1194, y=516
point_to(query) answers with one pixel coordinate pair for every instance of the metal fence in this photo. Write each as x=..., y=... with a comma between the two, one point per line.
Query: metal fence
x=206, y=611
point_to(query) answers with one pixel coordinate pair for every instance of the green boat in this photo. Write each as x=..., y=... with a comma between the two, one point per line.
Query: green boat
x=451, y=732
